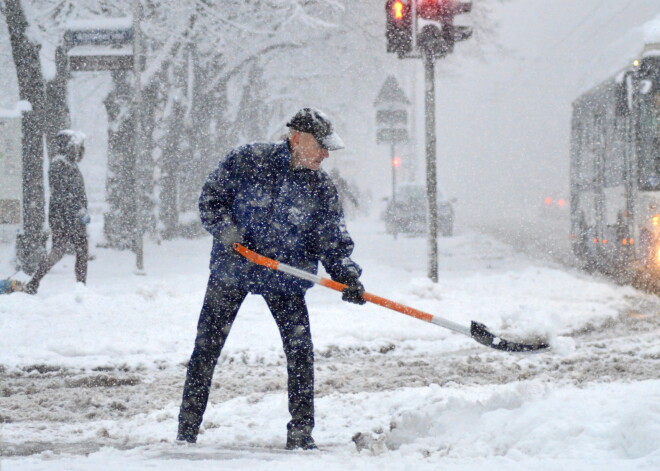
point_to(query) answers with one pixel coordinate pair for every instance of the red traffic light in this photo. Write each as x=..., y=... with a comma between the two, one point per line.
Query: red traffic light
x=396, y=162
x=397, y=10
x=442, y=10
x=399, y=26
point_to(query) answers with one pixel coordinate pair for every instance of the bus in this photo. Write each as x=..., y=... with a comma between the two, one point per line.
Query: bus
x=615, y=170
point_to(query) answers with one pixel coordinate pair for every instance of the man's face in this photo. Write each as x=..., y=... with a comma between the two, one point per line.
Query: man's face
x=306, y=152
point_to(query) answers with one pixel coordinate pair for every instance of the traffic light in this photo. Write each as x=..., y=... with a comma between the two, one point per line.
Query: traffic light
x=399, y=26
x=396, y=161
x=439, y=39
x=442, y=10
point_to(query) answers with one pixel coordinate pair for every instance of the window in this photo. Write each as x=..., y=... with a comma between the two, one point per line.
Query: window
x=649, y=141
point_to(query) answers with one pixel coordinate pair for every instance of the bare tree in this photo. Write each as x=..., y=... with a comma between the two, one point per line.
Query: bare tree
x=25, y=52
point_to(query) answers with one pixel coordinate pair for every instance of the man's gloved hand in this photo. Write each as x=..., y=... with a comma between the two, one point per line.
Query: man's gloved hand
x=353, y=293
x=84, y=217
x=230, y=236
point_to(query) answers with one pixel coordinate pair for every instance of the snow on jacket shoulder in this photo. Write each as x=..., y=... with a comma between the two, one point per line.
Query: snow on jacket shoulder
x=291, y=215
x=67, y=194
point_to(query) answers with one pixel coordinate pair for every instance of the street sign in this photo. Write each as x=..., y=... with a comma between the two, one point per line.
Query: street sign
x=86, y=60
x=391, y=136
x=391, y=93
x=98, y=37
x=101, y=44
x=392, y=117
x=391, y=113
x=99, y=32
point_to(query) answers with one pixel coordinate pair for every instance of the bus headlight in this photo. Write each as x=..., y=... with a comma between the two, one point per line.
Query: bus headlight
x=655, y=220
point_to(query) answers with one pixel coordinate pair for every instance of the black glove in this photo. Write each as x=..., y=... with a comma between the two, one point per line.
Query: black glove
x=353, y=293
x=230, y=236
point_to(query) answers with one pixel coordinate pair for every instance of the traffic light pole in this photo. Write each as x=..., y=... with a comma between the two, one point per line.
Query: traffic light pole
x=435, y=40
x=431, y=172
x=393, y=165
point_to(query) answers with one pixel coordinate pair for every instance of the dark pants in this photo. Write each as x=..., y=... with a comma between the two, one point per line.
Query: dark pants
x=61, y=240
x=220, y=307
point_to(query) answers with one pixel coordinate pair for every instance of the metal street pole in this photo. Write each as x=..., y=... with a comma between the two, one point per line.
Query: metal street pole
x=139, y=131
x=392, y=155
x=431, y=174
x=414, y=164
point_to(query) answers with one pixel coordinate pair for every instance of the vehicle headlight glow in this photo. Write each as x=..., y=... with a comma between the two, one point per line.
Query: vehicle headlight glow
x=655, y=219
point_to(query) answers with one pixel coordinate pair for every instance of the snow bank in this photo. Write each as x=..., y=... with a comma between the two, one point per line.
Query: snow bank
x=529, y=419
x=510, y=427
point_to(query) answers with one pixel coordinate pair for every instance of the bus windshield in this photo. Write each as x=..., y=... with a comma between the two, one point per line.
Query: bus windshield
x=649, y=140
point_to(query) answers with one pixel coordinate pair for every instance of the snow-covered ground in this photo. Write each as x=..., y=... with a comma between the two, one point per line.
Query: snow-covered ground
x=91, y=377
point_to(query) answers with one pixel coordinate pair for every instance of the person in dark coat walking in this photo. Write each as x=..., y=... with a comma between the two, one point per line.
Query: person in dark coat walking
x=274, y=199
x=67, y=211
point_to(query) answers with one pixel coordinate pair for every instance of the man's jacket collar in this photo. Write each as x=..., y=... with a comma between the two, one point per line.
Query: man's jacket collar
x=282, y=154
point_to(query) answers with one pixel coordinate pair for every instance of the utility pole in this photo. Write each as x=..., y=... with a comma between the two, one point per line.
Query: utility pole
x=431, y=165
x=138, y=246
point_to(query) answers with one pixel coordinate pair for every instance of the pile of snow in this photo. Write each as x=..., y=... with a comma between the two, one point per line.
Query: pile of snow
x=526, y=420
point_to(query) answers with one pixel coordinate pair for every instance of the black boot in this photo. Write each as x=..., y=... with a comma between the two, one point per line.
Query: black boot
x=30, y=287
x=300, y=441
x=186, y=434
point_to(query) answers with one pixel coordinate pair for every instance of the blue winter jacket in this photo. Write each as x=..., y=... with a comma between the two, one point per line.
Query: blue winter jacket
x=291, y=215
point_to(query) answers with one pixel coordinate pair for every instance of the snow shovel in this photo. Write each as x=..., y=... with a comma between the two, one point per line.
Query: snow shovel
x=477, y=331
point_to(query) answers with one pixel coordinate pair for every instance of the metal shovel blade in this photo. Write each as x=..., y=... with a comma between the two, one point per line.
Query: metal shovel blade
x=480, y=333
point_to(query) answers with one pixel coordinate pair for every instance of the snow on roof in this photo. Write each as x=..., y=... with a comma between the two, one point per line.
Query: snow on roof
x=651, y=30
x=100, y=23
x=651, y=34
x=651, y=50
x=618, y=56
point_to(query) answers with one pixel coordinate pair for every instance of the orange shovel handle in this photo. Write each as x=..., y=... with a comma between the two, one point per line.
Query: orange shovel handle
x=477, y=331
x=328, y=283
